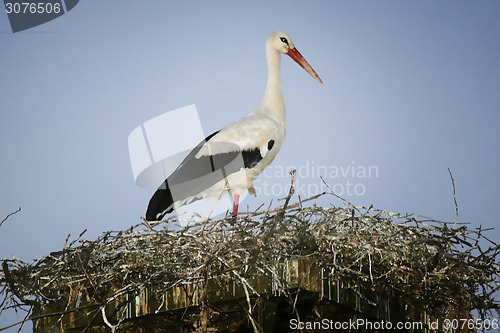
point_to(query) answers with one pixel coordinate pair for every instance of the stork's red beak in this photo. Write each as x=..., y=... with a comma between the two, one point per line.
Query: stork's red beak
x=295, y=55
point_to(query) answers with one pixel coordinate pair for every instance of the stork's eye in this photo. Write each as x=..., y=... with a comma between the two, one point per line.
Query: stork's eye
x=284, y=40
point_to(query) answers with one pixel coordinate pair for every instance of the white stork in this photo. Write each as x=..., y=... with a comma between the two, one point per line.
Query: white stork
x=232, y=158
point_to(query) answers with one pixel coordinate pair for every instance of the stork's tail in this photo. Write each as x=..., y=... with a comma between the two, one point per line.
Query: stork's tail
x=160, y=204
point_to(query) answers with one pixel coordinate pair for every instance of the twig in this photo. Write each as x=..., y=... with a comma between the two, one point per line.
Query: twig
x=108, y=323
x=254, y=324
x=5, y=219
x=105, y=319
x=77, y=238
x=52, y=314
x=86, y=274
x=12, y=286
x=454, y=194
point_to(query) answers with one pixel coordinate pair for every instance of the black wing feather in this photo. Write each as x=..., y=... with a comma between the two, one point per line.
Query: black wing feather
x=197, y=174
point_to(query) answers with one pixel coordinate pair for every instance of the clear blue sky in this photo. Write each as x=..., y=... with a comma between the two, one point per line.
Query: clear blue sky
x=411, y=88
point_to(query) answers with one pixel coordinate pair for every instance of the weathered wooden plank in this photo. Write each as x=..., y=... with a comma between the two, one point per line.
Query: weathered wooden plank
x=299, y=274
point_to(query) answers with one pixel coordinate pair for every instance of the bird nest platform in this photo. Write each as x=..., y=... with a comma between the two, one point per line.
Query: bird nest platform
x=272, y=270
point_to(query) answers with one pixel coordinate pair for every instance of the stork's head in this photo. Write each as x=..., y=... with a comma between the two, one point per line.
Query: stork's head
x=282, y=42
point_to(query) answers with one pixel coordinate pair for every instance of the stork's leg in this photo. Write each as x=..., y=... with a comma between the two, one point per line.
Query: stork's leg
x=235, y=204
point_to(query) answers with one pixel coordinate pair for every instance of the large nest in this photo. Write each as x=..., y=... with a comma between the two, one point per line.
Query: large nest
x=437, y=267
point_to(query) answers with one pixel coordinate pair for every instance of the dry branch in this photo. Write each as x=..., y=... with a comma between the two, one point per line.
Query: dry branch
x=9, y=215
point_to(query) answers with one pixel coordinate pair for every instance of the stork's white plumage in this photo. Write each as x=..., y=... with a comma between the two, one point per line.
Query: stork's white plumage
x=232, y=158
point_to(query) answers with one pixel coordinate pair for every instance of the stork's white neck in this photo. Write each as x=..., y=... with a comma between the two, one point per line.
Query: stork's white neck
x=272, y=103
x=273, y=88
